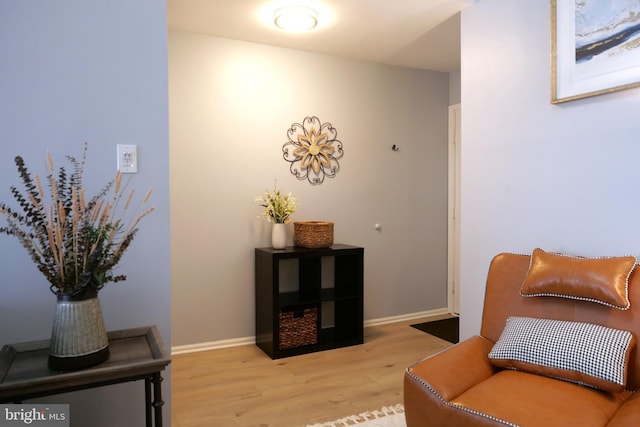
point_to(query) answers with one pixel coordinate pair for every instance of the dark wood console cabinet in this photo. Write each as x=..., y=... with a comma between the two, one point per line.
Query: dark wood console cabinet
x=320, y=288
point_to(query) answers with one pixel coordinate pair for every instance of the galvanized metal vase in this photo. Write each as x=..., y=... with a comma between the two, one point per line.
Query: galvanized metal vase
x=78, y=338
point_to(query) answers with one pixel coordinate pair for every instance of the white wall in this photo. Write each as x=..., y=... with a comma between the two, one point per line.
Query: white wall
x=76, y=71
x=231, y=104
x=561, y=177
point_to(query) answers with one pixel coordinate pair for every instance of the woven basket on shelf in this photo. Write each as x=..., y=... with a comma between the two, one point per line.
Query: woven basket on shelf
x=313, y=234
x=298, y=329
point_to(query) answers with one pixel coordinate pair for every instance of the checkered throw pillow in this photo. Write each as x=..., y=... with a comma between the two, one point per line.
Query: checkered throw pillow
x=582, y=353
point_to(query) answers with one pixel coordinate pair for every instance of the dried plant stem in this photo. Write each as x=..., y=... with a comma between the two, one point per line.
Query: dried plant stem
x=74, y=241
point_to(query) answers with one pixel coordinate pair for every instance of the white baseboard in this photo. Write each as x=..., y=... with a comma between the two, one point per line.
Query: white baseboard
x=236, y=342
x=406, y=317
x=212, y=345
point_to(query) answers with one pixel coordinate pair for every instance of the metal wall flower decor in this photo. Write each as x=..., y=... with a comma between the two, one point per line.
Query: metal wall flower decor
x=313, y=150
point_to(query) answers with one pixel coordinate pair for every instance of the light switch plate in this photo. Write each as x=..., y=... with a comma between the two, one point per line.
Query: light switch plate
x=128, y=158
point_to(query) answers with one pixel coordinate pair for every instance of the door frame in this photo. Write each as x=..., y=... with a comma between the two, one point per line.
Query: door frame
x=453, y=228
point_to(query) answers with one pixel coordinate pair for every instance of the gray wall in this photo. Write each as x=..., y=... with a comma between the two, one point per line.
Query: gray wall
x=454, y=87
x=76, y=71
x=231, y=104
x=560, y=177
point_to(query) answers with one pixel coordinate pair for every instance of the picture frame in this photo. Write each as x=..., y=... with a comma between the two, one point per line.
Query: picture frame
x=589, y=57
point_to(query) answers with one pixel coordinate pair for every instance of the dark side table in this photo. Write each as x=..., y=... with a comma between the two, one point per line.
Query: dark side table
x=323, y=307
x=135, y=354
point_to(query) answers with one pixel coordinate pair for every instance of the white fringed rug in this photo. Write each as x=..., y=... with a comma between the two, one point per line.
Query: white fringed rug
x=388, y=416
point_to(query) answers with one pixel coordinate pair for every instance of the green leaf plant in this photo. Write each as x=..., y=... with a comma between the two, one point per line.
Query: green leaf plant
x=278, y=205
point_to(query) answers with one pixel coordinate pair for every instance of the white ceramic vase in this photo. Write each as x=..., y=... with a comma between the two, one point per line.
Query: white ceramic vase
x=279, y=236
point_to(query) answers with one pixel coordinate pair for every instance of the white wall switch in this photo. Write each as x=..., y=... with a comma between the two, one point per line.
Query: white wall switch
x=128, y=158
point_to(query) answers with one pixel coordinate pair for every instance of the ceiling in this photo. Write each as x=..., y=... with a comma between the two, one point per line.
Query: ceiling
x=421, y=34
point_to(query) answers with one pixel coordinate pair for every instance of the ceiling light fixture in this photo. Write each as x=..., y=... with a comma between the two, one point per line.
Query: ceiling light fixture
x=295, y=18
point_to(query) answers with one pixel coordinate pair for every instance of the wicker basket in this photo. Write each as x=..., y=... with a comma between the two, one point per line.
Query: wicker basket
x=313, y=234
x=298, y=328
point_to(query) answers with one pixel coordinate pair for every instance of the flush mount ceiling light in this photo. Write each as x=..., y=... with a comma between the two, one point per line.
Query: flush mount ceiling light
x=295, y=18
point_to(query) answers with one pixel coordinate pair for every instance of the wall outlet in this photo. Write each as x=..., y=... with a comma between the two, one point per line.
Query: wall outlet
x=128, y=158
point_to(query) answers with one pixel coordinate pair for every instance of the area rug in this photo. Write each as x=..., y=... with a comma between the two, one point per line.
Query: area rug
x=388, y=416
x=447, y=329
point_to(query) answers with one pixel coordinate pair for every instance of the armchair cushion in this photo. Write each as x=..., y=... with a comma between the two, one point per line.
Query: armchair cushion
x=627, y=415
x=603, y=280
x=578, y=352
x=517, y=398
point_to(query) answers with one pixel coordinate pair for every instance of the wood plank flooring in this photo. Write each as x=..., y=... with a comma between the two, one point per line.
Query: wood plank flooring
x=243, y=387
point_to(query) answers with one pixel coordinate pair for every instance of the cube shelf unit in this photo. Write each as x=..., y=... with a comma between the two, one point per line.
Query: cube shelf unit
x=329, y=281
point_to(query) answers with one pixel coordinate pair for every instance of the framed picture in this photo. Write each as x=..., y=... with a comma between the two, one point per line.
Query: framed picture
x=595, y=47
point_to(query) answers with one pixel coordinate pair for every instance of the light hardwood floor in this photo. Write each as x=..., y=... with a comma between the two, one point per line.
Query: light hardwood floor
x=243, y=387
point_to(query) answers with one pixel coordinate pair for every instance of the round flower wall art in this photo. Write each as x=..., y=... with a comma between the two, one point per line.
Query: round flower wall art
x=313, y=150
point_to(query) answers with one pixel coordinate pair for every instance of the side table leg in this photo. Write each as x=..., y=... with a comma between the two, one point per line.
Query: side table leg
x=157, y=398
x=147, y=402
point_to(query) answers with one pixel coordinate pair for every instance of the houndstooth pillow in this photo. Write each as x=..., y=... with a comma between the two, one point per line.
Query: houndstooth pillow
x=582, y=353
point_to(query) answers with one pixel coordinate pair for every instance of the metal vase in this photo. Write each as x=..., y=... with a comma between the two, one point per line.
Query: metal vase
x=78, y=338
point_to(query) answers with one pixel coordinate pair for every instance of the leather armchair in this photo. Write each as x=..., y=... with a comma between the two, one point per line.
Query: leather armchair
x=462, y=386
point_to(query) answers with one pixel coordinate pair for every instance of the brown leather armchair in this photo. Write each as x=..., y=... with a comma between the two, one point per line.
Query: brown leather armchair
x=463, y=386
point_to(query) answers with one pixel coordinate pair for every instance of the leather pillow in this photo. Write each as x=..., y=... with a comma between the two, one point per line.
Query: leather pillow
x=601, y=280
x=582, y=353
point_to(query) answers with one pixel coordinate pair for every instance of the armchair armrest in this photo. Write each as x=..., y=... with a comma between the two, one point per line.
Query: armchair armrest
x=456, y=369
